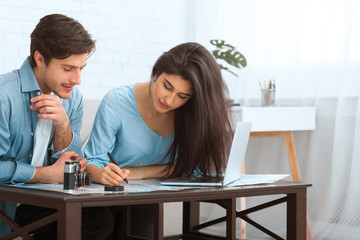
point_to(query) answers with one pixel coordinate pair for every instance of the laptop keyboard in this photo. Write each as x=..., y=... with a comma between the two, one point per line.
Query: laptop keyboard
x=207, y=180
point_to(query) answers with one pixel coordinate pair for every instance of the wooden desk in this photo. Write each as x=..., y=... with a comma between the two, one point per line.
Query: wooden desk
x=69, y=207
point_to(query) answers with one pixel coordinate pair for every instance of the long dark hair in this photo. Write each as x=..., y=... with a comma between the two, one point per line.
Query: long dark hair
x=58, y=36
x=203, y=125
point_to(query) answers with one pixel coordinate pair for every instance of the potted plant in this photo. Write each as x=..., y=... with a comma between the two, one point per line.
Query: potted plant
x=226, y=53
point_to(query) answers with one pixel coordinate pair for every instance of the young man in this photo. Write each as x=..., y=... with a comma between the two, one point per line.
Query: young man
x=41, y=106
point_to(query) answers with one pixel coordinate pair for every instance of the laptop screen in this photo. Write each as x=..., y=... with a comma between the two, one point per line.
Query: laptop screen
x=234, y=164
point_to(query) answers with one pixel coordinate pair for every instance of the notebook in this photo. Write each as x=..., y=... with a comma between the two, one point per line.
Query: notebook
x=233, y=167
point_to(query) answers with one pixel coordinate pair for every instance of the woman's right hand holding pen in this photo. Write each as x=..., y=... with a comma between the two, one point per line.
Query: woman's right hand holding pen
x=113, y=175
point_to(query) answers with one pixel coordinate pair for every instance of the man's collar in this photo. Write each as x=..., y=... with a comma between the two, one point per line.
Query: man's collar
x=27, y=77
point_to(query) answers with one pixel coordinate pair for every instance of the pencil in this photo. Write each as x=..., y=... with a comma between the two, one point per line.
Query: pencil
x=114, y=162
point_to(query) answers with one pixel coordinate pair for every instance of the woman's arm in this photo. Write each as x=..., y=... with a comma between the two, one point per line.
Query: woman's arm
x=95, y=171
x=114, y=175
x=153, y=171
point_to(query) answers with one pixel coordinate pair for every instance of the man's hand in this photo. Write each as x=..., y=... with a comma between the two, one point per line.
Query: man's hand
x=50, y=107
x=55, y=172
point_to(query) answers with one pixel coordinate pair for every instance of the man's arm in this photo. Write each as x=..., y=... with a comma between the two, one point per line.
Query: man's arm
x=55, y=172
x=63, y=136
x=11, y=170
x=50, y=107
x=67, y=128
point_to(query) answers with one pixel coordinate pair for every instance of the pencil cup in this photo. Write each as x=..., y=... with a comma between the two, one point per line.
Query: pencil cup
x=268, y=97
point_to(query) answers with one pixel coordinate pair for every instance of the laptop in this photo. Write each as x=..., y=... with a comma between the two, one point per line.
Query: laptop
x=233, y=167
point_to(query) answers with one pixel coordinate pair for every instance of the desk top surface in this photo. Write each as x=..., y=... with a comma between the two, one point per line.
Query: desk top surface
x=277, y=118
x=45, y=198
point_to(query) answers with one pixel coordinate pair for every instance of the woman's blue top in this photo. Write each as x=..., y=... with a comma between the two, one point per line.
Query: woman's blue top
x=119, y=129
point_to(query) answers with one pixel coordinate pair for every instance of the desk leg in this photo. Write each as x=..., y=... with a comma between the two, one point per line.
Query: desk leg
x=69, y=221
x=191, y=218
x=291, y=151
x=243, y=207
x=159, y=221
x=231, y=218
x=126, y=220
x=296, y=216
x=157, y=211
x=191, y=214
x=290, y=148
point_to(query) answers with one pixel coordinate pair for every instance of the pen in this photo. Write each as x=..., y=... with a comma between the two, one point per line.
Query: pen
x=114, y=162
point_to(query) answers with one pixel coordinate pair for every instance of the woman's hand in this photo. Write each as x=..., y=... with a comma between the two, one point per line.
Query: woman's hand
x=113, y=175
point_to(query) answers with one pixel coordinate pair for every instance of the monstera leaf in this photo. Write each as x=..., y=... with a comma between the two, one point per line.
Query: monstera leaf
x=229, y=54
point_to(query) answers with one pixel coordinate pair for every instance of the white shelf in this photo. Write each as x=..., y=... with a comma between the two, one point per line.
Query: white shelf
x=277, y=118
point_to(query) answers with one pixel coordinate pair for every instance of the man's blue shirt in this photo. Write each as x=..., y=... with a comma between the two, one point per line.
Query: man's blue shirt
x=18, y=123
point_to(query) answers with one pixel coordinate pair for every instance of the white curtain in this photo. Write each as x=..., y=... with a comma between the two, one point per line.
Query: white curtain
x=312, y=49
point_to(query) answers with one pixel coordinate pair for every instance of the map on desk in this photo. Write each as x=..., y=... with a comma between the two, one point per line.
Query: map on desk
x=134, y=186
x=138, y=186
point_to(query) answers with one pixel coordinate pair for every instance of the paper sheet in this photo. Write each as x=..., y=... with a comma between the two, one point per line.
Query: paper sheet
x=252, y=179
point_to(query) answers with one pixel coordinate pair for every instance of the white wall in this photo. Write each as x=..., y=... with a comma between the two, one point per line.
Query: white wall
x=130, y=36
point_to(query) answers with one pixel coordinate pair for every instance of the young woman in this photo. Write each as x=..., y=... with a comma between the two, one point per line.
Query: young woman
x=176, y=124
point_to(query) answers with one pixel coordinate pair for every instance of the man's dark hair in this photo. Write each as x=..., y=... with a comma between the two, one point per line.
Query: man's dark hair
x=58, y=36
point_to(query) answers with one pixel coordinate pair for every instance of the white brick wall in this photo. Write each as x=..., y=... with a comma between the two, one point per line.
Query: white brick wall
x=130, y=36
